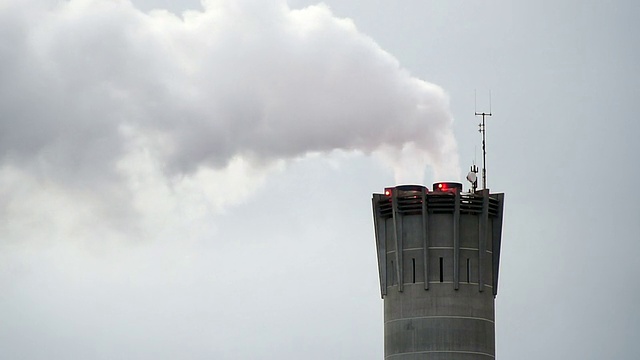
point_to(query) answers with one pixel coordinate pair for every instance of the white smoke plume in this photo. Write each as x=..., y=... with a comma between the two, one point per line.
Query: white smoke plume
x=110, y=105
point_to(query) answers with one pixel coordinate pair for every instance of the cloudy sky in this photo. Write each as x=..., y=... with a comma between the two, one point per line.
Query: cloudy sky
x=192, y=180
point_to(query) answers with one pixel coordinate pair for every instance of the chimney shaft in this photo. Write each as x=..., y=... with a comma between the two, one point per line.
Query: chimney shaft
x=438, y=259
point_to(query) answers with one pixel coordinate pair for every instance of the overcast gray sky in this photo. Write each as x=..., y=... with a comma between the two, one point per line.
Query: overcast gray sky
x=193, y=180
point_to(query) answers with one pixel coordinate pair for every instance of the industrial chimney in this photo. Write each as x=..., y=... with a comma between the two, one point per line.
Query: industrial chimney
x=438, y=259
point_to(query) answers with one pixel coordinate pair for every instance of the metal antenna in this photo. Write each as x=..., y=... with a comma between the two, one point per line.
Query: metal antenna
x=481, y=127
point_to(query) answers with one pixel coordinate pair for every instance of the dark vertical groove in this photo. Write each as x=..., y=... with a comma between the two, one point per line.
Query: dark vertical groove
x=425, y=239
x=413, y=263
x=456, y=242
x=397, y=226
x=482, y=239
x=441, y=270
x=496, y=238
x=381, y=240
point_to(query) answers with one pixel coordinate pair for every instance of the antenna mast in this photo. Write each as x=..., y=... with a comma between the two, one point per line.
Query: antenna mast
x=481, y=130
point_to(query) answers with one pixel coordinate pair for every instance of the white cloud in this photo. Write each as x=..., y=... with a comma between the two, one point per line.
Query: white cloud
x=151, y=113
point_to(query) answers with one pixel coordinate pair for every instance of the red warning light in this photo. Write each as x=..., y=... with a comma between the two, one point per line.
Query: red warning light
x=452, y=187
x=404, y=190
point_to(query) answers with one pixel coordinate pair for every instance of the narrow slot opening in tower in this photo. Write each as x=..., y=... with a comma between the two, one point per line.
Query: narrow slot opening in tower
x=441, y=270
x=414, y=269
x=468, y=270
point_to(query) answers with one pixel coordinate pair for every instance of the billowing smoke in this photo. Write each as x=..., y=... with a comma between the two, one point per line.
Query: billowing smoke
x=111, y=105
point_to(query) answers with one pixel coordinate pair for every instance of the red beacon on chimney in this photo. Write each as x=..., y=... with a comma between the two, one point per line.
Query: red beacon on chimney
x=453, y=187
x=405, y=190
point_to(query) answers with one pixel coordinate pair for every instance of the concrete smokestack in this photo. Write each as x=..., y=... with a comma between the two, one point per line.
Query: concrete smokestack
x=438, y=259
